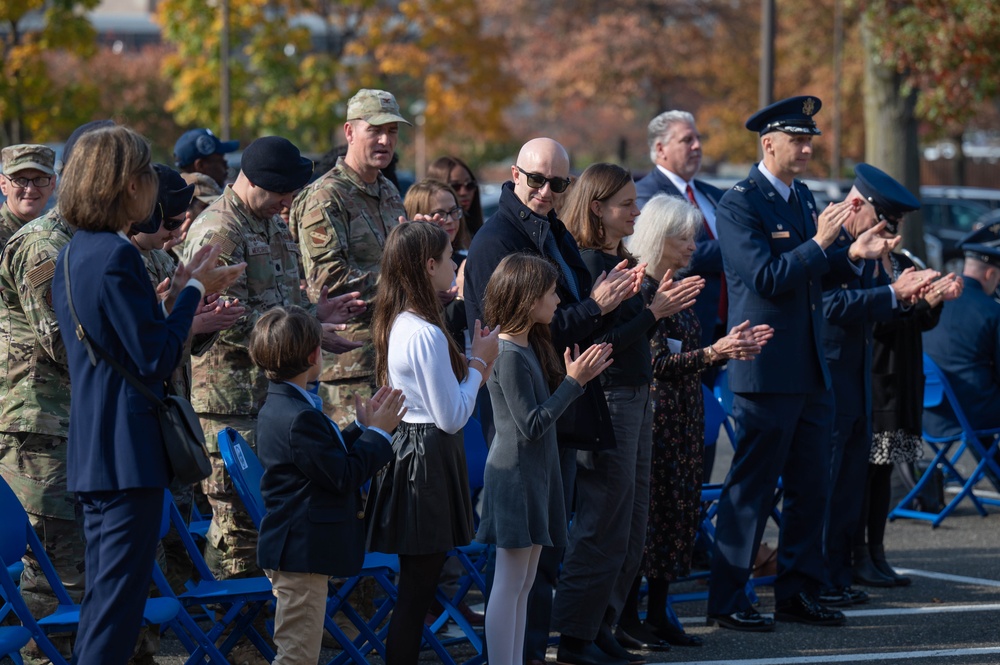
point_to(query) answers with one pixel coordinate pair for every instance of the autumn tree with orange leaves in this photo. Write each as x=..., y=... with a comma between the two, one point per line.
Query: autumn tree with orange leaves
x=295, y=63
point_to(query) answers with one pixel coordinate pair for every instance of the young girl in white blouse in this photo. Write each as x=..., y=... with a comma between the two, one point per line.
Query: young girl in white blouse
x=421, y=507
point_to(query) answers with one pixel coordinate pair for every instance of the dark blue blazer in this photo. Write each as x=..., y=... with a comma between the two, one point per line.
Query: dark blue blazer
x=314, y=521
x=114, y=435
x=707, y=258
x=773, y=274
x=852, y=305
x=966, y=346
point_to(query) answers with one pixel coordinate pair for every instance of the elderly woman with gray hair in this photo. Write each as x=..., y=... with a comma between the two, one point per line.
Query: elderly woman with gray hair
x=664, y=240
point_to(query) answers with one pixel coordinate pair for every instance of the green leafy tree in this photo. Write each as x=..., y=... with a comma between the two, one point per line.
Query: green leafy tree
x=32, y=107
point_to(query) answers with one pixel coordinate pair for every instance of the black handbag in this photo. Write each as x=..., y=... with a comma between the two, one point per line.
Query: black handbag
x=183, y=437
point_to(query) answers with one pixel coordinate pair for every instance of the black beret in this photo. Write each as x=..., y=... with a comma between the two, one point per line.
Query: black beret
x=275, y=164
x=792, y=116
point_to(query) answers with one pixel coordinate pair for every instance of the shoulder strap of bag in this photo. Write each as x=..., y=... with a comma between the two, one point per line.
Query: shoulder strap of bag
x=91, y=346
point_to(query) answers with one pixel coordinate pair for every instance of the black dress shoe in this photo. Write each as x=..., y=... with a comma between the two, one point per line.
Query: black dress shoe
x=801, y=608
x=878, y=558
x=588, y=654
x=842, y=597
x=607, y=643
x=867, y=573
x=675, y=636
x=750, y=621
x=639, y=637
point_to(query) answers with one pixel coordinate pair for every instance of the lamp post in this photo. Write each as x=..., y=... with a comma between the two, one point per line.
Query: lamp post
x=418, y=110
x=224, y=128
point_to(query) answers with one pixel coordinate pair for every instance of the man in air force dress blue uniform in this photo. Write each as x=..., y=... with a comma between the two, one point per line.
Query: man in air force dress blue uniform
x=776, y=249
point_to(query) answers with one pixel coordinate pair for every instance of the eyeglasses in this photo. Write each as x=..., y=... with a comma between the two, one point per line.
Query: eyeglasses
x=537, y=181
x=468, y=186
x=455, y=213
x=22, y=183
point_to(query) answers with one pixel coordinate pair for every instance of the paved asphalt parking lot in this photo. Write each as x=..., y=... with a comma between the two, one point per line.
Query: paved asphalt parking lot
x=950, y=615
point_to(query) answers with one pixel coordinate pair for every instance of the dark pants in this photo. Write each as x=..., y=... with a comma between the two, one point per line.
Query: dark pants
x=851, y=445
x=121, y=529
x=609, y=527
x=777, y=435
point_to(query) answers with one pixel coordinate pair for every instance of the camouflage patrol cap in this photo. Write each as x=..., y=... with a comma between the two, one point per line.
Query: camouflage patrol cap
x=376, y=107
x=28, y=156
x=206, y=189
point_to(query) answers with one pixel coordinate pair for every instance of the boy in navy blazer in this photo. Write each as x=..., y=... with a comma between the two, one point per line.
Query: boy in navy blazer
x=313, y=527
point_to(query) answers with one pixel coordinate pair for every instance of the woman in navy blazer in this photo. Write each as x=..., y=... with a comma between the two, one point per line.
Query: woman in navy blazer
x=117, y=463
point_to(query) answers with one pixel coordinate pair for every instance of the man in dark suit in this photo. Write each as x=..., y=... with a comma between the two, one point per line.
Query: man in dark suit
x=776, y=249
x=312, y=478
x=527, y=222
x=966, y=342
x=852, y=305
x=675, y=149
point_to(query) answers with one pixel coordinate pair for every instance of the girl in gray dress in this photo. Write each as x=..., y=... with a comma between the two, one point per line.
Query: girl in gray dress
x=523, y=495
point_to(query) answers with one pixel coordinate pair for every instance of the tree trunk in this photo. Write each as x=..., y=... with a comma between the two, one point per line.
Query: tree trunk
x=891, y=133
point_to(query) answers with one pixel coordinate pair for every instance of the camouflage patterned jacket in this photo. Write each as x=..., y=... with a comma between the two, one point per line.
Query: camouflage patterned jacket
x=34, y=376
x=225, y=381
x=9, y=224
x=340, y=220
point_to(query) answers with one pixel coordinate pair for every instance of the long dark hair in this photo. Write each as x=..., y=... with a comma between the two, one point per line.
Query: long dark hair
x=404, y=284
x=516, y=285
x=599, y=182
x=440, y=169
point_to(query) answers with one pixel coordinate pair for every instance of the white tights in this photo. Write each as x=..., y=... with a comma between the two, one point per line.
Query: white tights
x=507, y=609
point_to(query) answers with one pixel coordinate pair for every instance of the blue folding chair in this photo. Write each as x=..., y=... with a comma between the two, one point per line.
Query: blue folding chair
x=211, y=608
x=936, y=389
x=16, y=536
x=716, y=420
x=246, y=471
x=12, y=640
x=473, y=557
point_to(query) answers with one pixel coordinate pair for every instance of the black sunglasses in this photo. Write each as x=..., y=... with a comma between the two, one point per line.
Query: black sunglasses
x=537, y=181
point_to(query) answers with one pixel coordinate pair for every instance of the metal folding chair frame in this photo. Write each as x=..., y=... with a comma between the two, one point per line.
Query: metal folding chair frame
x=937, y=388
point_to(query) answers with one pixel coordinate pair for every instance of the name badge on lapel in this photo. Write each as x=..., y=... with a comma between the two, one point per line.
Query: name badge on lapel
x=780, y=234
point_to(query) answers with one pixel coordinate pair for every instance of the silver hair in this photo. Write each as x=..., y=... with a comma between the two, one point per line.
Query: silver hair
x=661, y=127
x=662, y=217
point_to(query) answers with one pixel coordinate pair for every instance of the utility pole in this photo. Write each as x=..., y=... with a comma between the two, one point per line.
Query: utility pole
x=224, y=127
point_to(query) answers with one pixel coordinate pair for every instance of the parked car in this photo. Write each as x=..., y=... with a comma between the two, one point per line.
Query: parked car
x=946, y=221
x=982, y=195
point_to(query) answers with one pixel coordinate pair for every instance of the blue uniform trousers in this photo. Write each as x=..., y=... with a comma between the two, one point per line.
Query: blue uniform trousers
x=777, y=435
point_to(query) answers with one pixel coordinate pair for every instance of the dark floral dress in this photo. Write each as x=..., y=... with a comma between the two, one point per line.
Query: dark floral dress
x=678, y=444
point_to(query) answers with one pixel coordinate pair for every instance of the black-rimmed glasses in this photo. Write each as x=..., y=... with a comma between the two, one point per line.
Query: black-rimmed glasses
x=537, y=181
x=22, y=183
x=455, y=213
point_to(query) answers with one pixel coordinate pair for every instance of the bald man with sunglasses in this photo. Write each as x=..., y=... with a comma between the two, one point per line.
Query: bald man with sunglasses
x=527, y=222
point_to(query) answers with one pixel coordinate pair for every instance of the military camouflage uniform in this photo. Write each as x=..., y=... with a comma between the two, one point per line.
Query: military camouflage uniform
x=34, y=406
x=342, y=223
x=228, y=389
x=9, y=224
